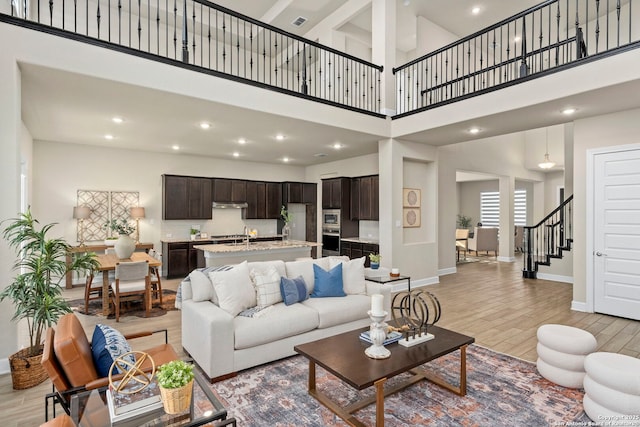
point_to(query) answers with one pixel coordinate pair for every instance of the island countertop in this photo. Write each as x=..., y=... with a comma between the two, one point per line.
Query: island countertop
x=228, y=248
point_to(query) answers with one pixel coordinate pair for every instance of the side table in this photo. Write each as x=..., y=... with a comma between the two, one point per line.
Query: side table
x=384, y=278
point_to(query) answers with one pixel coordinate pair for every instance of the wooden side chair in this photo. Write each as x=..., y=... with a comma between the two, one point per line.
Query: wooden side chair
x=92, y=291
x=131, y=282
x=156, y=283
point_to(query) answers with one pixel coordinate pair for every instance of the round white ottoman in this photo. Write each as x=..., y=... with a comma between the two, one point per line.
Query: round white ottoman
x=561, y=353
x=612, y=389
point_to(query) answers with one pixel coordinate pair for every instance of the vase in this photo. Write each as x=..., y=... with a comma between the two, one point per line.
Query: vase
x=375, y=265
x=286, y=232
x=124, y=246
x=176, y=400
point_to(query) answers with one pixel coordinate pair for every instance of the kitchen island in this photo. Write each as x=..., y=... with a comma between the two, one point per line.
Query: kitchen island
x=235, y=253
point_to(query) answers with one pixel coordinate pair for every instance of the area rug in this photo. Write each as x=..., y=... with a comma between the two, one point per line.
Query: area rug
x=501, y=390
x=135, y=308
x=485, y=259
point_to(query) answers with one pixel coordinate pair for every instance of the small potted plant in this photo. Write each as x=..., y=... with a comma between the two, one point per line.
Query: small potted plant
x=375, y=260
x=194, y=233
x=176, y=385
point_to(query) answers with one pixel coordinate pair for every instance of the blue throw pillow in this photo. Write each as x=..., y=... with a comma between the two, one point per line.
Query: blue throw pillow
x=293, y=290
x=327, y=283
x=107, y=344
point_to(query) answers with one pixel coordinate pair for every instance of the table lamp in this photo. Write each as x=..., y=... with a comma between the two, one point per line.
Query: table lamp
x=81, y=213
x=137, y=213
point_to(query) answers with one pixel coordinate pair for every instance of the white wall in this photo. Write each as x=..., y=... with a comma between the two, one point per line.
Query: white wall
x=62, y=169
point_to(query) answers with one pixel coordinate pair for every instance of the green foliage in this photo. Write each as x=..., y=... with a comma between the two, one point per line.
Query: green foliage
x=119, y=226
x=36, y=291
x=373, y=257
x=463, y=221
x=285, y=215
x=174, y=374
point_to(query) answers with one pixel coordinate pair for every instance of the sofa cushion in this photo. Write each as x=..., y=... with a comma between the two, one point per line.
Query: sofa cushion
x=263, y=266
x=334, y=311
x=304, y=268
x=282, y=321
x=293, y=290
x=234, y=289
x=327, y=283
x=107, y=344
x=352, y=275
x=267, y=285
x=201, y=287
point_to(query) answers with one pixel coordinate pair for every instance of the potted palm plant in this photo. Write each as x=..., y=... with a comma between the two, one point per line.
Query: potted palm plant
x=36, y=291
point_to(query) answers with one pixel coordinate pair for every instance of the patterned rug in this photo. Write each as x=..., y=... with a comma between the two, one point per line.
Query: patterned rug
x=135, y=308
x=485, y=259
x=501, y=390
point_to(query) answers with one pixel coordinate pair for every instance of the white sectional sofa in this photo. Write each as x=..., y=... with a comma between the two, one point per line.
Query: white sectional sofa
x=223, y=343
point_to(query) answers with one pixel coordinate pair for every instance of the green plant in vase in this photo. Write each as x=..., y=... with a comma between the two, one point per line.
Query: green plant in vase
x=176, y=384
x=286, y=217
x=374, y=260
x=36, y=291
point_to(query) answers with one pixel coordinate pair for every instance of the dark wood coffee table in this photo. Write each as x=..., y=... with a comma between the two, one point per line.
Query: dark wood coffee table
x=343, y=356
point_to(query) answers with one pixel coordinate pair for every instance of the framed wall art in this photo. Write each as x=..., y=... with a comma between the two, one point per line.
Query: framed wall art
x=410, y=217
x=411, y=198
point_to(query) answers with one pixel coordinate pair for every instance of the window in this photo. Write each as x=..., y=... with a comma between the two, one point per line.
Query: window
x=490, y=208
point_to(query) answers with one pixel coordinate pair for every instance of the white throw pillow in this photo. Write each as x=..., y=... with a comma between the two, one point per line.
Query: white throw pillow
x=201, y=287
x=352, y=275
x=234, y=289
x=267, y=286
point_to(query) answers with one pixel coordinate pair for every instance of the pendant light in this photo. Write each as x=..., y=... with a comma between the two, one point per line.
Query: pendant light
x=546, y=163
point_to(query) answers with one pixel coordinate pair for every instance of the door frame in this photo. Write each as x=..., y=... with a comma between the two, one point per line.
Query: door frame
x=590, y=219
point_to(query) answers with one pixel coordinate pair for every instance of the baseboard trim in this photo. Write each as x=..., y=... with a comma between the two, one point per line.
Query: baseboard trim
x=445, y=271
x=580, y=306
x=4, y=366
x=506, y=259
x=555, y=277
x=401, y=286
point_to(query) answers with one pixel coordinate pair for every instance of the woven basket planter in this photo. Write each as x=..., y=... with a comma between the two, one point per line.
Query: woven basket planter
x=176, y=400
x=26, y=371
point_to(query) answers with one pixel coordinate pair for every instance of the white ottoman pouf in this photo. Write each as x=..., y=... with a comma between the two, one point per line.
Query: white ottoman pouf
x=612, y=389
x=561, y=353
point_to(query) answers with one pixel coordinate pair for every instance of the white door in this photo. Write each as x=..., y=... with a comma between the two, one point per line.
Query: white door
x=616, y=235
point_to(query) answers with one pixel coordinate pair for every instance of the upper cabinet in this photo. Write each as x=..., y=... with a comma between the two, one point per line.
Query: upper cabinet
x=299, y=192
x=357, y=197
x=186, y=197
x=368, y=198
x=229, y=190
x=263, y=200
x=336, y=194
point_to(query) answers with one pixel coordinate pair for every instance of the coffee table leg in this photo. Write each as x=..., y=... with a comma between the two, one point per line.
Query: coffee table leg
x=380, y=402
x=312, y=376
x=460, y=390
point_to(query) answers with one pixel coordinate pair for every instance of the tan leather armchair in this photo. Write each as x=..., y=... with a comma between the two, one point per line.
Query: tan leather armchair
x=484, y=239
x=68, y=361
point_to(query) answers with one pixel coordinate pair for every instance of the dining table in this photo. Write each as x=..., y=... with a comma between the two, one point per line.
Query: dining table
x=108, y=263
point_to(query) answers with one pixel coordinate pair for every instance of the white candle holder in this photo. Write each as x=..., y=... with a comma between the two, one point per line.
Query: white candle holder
x=378, y=333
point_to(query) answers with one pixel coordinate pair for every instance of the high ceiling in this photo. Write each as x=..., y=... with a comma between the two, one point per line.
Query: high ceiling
x=65, y=107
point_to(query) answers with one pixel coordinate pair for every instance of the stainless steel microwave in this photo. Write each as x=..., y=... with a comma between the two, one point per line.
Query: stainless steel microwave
x=331, y=218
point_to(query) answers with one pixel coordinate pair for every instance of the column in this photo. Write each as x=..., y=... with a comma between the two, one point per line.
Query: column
x=506, y=234
x=383, y=24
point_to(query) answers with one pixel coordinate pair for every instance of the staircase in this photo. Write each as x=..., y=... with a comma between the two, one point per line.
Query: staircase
x=548, y=239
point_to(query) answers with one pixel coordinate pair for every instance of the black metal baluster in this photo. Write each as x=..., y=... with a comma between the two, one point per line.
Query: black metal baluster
x=185, y=34
x=607, y=24
x=148, y=26
x=158, y=26
x=139, y=27
x=244, y=48
x=597, y=26
x=75, y=15
x=97, y=17
x=540, y=41
x=217, y=44
x=166, y=25
x=618, y=22
x=119, y=21
x=63, y=13
x=209, y=50
x=224, y=43
x=251, y=52
x=51, y=11
x=193, y=36
x=201, y=35
x=129, y=23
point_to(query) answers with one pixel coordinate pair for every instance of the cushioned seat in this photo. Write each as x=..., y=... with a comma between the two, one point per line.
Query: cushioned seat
x=561, y=354
x=281, y=321
x=612, y=388
x=338, y=310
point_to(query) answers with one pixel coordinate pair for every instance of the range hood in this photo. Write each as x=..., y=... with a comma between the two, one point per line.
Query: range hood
x=225, y=205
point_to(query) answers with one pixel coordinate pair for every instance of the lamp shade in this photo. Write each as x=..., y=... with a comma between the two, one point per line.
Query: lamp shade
x=137, y=212
x=81, y=212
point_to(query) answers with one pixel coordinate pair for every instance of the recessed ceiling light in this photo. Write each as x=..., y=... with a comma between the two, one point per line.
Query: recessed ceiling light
x=236, y=154
x=279, y=137
x=242, y=141
x=175, y=147
x=285, y=159
x=337, y=146
x=475, y=10
x=205, y=125
x=474, y=130
x=568, y=111
x=108, y=136
x=117, y=120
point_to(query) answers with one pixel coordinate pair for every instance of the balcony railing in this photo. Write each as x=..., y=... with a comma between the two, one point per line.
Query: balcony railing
x=206, y=37
x=553, y=35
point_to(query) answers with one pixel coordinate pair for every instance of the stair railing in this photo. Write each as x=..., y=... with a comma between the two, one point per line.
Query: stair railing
x=548, y=239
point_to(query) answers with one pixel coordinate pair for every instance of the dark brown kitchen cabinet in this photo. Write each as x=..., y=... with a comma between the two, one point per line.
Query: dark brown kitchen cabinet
x=355, y=199
x=273, y=200
x=186, y=197
x=252, y=200
x=181, y=258
x=368, y=197
x=336, y=194
x=299, y=192
x=264, y=200
x=358, y=250
x=309, y=193
x=229, y=190
x=293, y=192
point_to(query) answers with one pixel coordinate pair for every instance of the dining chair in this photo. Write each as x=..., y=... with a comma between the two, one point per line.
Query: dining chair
x=92, y=291
x=156, y=284
x=131, y=281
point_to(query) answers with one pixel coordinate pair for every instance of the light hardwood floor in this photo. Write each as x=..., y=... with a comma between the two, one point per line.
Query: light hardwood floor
x=487, y=300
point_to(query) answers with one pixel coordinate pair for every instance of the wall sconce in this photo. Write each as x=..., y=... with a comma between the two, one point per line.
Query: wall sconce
x=81, y=213
x=137, y=213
